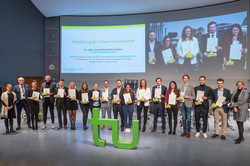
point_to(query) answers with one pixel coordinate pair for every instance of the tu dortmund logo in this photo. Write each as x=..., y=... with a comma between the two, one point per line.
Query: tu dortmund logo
x=96, y=122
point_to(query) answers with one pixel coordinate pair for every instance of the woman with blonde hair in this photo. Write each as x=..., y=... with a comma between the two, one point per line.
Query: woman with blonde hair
x=8, y=99
x=72, y=104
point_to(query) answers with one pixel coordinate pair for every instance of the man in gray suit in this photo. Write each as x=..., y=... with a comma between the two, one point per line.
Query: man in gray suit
x=106, y=102
x=187, y=92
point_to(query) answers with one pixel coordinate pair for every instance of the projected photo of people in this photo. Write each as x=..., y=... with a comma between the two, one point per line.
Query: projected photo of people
x=215, y=44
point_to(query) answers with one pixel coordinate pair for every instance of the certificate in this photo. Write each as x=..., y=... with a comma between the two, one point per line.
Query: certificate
x=172, y=99
x=167, y=54
x=95, y=94
x=235, y=51
x=46, y=91
x=72, y=93
x=142, y=93
x=186, y=48
x=182, y=94
x=199, y=95
x=211, y=44
x=158, y=93
x=220, y=101
x=61, y=93
x=35, y=95
x=85, y=97
x=105, y=95
x=115, y=97
x=127, y=97
x=151, y=56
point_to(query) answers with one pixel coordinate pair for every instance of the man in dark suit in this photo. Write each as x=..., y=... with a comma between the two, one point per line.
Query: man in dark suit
x=221, y=111
x=212, y=33
x=61, y=104
x=159, y=105
x=117, y=107
x=21, y=91
x=155, y=47
x=202, y=109
x=48, y=101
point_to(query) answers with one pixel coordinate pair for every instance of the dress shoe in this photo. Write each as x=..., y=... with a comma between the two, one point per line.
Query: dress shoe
x=170, y=132
x=188, y=135
x=12, y=130
x=153, y=130
x=243, y=139
x=85, y=128
x=215, y=135
x=174, y=133
x=122, y=129
x=102, y=127
x=223, y=137
x=65, y=127
x=29, y=126
x=7, y=130
x=163, y=131
x=18, y=128
x=59, y=128
x=183, y=134
x=144, y=129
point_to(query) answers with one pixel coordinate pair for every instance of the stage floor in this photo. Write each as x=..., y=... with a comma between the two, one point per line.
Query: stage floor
x=66, y=147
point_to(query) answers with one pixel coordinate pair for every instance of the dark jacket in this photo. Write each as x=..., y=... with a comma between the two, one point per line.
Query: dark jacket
x=163, y=92
x=227, y=94
x=207, y=93
x=17, y=90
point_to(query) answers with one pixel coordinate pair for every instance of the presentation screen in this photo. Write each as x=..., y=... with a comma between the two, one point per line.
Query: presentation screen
x=103, y=49
x=210, y=41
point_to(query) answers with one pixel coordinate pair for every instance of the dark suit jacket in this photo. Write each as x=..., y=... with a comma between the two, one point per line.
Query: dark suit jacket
x=207, y=93
x=65, y=96
x=226, y=93
x=114, y=92
x=17, y=90
x=163, y=92
x=157, y=51
x=204, y=42
x=52, y=90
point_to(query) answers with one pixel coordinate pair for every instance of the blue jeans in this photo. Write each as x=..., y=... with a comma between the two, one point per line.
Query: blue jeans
x=128, y=110
x=186, y=117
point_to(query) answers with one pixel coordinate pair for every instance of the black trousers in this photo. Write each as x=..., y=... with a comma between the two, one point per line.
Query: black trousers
x=200, y=111
x=6, y=122
x=145, y=115
x=117, y=108
x=32, y=119
x=159, y=107
x=85, y=111
x=240, y=128
x=22, y=104
x=48, y=104
x=61, y=107
x=172, y=111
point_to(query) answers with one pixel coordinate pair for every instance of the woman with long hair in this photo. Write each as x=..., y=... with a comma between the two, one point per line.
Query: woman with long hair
x=173, y=108
x=143, y=95
x=84, y=104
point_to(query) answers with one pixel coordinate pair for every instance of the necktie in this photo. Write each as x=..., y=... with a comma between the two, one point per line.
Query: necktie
x=212, y=36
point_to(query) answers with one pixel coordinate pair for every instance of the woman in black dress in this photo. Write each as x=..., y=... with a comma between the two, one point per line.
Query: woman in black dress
x=34, y=99
x=72, y=104
x=84, y=104
x=8, y=99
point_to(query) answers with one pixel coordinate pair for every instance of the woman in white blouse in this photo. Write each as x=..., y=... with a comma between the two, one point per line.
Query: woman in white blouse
x=143, y=95
x=187, y=49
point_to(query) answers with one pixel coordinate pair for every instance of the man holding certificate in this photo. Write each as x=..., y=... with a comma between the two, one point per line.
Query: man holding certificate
x=203, y=93
x=211, y=46
x=221, y=98
x=158, y=96
x=117, y=107
x=106, y=102
x=47, y=89
x=61, y=103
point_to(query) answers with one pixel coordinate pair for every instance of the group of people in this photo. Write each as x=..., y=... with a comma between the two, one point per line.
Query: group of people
x=122, y=100
x=211, y=48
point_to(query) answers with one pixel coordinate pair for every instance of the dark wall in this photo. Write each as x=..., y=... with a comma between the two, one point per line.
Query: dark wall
x=22, y=37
